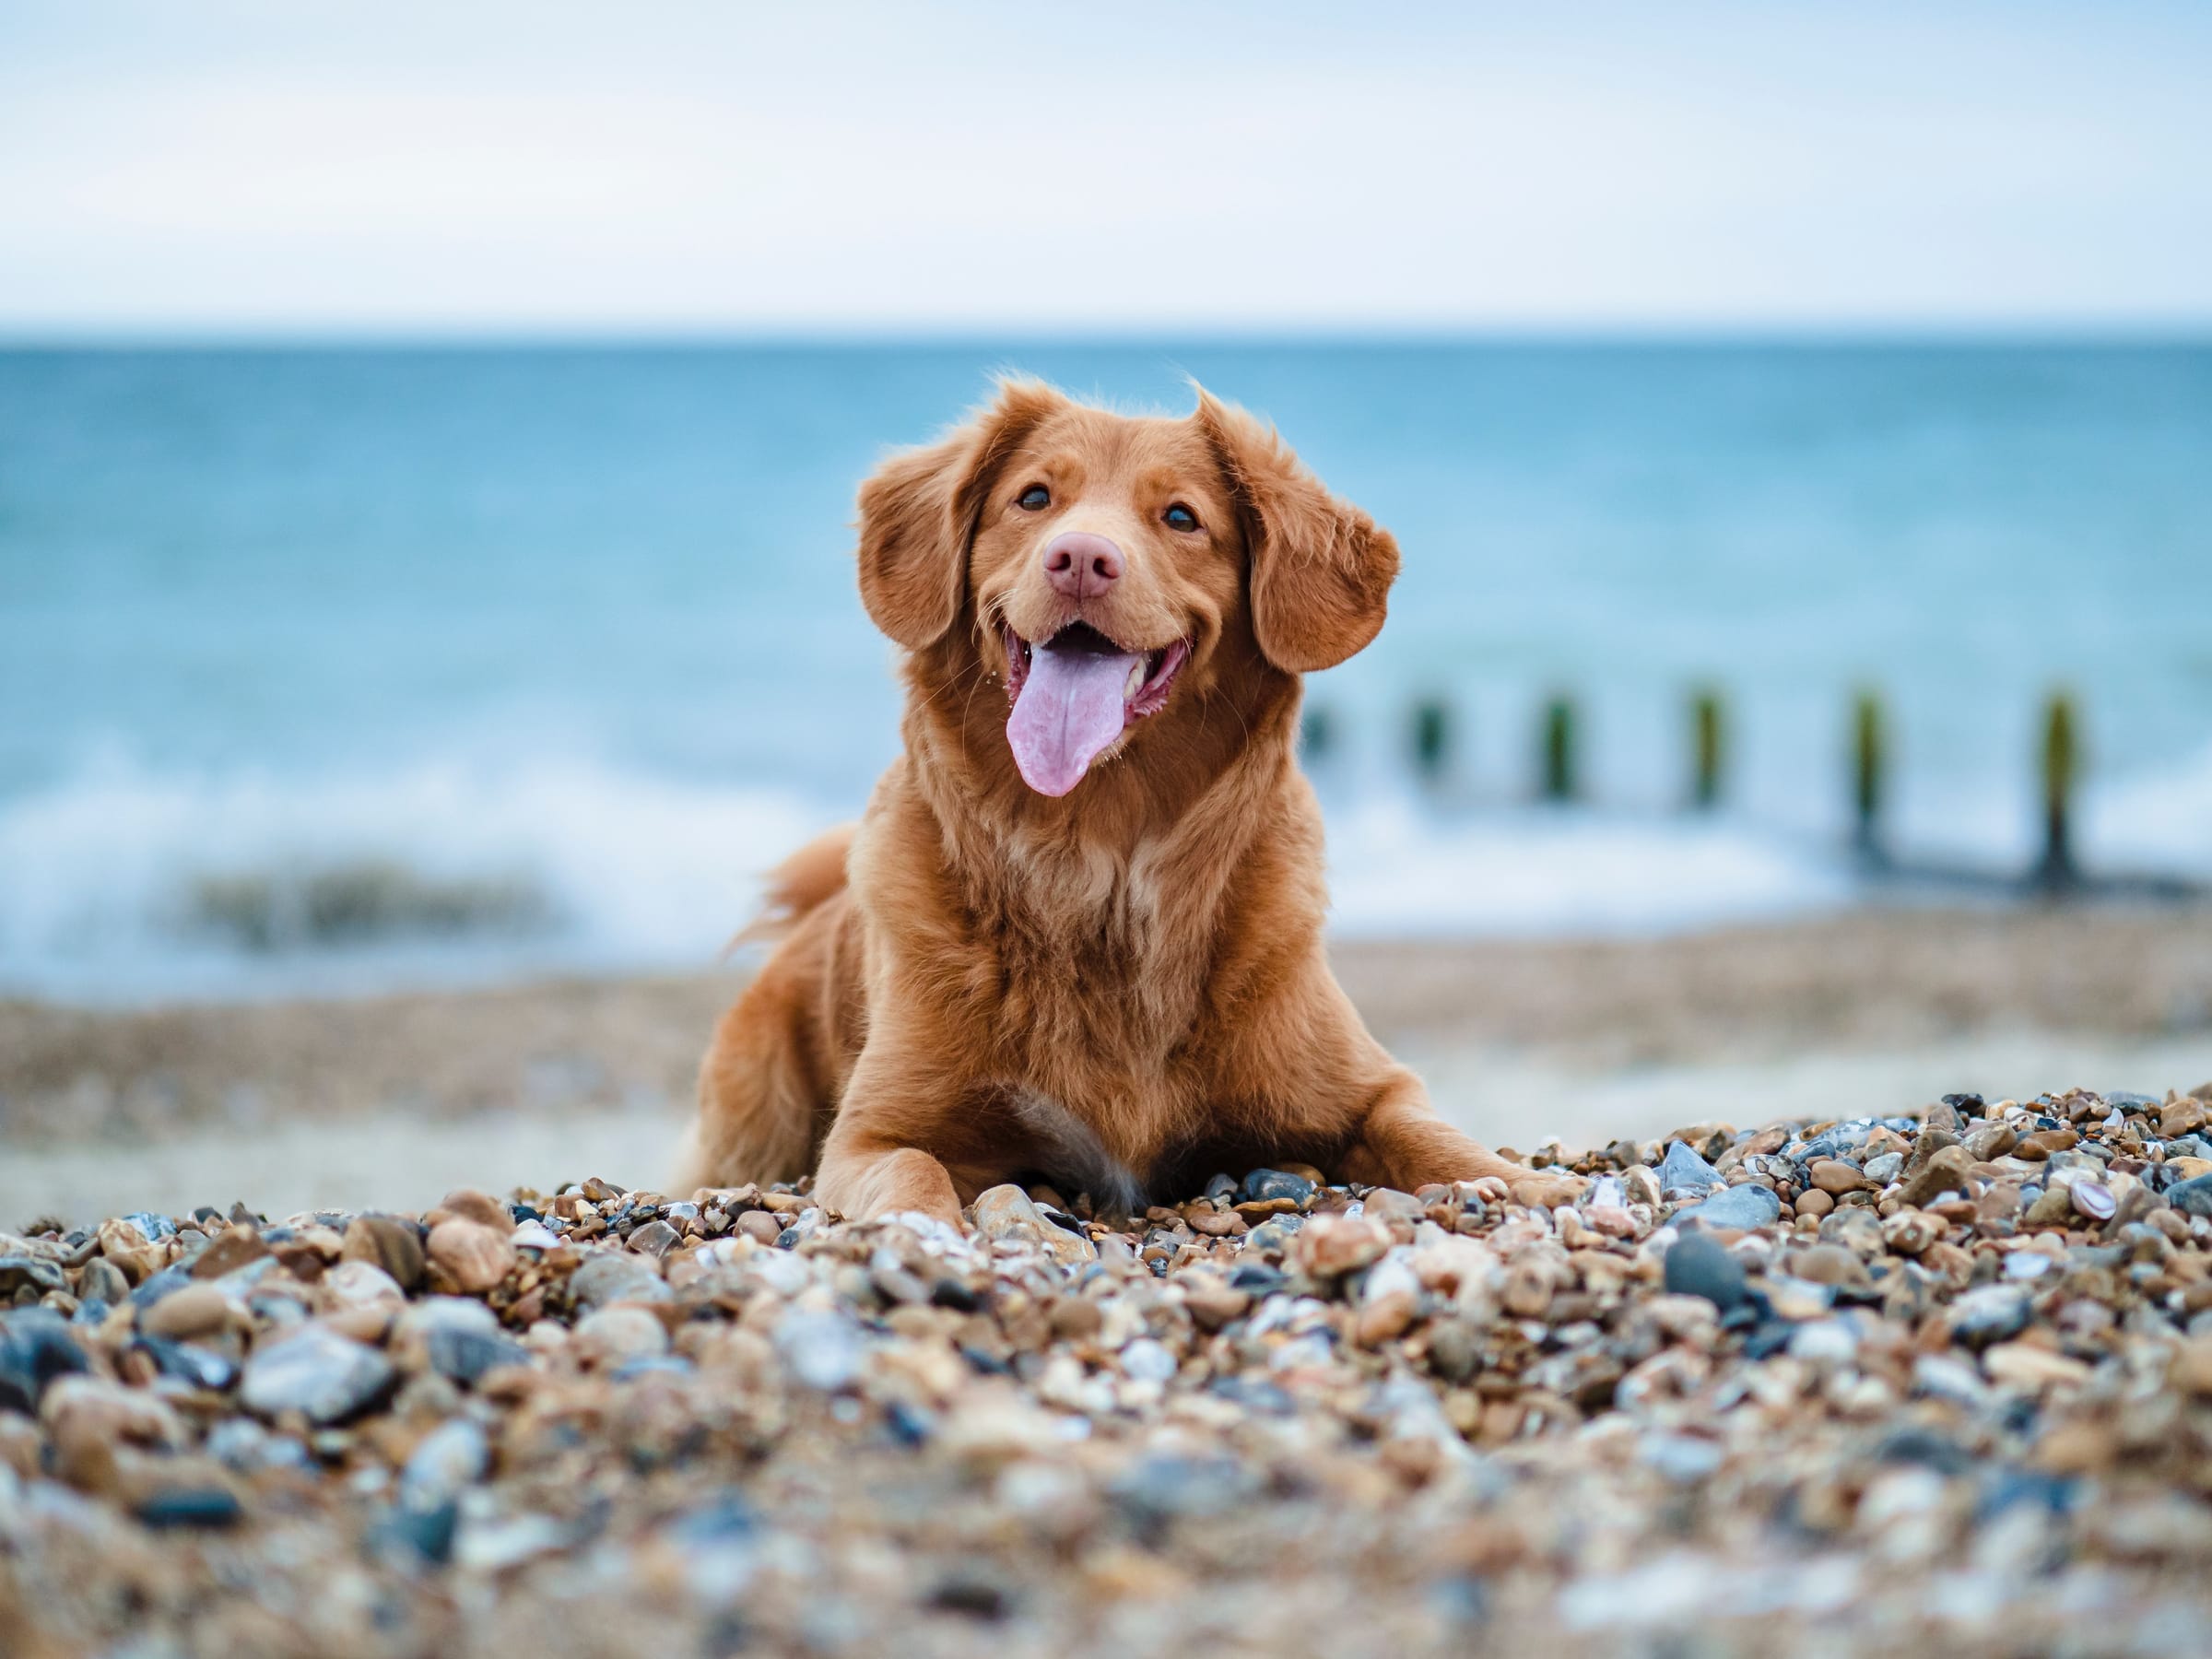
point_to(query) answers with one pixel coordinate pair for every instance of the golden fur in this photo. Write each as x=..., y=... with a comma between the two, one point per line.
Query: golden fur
x=1123, y=989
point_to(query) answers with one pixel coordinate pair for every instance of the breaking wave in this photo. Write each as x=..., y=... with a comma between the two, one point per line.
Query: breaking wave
x=128, y=883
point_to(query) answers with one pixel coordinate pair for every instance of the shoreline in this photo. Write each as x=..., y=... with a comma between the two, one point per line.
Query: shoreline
x=392, y=1099
x=1509, y=1099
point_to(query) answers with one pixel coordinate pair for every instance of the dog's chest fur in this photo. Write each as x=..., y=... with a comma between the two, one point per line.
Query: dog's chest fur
x=1091, y=1008
x=1083, y=967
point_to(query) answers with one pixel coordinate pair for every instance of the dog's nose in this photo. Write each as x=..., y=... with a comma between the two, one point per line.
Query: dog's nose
x=1081, y=565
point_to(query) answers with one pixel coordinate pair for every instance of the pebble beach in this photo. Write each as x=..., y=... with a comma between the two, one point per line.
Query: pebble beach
x=1875, y=1385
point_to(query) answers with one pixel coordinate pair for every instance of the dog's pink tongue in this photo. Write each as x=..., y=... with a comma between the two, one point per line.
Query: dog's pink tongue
x=1070, y=707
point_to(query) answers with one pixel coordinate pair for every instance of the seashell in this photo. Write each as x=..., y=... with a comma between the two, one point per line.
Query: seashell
x=2095, y=1200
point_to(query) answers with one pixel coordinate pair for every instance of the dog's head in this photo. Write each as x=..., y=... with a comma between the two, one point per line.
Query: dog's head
x=1116, y=573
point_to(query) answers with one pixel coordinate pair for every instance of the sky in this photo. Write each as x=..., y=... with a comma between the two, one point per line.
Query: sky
x=247, y=166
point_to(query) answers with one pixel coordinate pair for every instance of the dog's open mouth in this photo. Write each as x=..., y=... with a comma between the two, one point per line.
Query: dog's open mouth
x=1075, y=694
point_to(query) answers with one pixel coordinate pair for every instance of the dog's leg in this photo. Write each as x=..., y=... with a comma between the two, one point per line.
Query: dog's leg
x=760, y=1107
x=898, y=1143
x=767, y=1087
x=1403, y=1144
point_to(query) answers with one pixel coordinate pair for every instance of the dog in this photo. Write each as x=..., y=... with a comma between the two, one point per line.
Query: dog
x=1077, y=933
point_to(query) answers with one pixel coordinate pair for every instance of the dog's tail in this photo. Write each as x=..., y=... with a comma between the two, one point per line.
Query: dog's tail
x=802, y=883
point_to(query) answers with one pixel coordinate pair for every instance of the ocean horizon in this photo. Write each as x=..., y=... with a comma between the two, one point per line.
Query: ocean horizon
x=359, y=667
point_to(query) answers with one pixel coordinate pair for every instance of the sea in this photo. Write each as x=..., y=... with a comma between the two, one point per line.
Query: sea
x=346, y=669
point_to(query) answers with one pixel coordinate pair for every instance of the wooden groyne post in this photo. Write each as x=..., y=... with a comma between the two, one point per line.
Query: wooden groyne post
x=2061, y=773
x=1555, y=752
x=1431, y=739
x=1705, y=743
x=1869, y=775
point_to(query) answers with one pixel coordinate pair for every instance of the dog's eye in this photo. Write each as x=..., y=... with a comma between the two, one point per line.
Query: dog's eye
x=1180, y=517
x=1035, y=499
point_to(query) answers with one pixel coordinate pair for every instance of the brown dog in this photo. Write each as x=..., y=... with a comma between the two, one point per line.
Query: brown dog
x=1082, y=939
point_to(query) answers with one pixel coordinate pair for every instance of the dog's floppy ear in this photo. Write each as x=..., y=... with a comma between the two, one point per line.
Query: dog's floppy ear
x=918, y=515
x=1321, y=569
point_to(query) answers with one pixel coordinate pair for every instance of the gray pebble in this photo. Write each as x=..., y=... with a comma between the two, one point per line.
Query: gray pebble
x=1682, y=1173
x=822, y=1348
x=451, y=1456
x=462, y=1355
x=316, y=1372
x=35, y=1348
x=17, y=1271
x=610, y=1276
x=2192, y=1197
x=1743, y=1208
x=1699, y=1265
x=1262, y=1185
x=1991, y=1313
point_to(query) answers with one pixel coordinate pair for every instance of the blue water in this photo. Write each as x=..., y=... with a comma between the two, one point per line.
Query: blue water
x=579, y=624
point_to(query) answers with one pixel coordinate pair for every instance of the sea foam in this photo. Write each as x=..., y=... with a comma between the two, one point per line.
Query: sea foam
x=126, y=882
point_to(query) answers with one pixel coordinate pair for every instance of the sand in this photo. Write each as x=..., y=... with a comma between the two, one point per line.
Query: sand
x=393, y=1100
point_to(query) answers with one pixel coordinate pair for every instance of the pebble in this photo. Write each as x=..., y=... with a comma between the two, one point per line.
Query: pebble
x=822, y=1348
x=388, y=1243
x=1795, y=1298
x=234, y=1248
x=198, y=1367
x=761, y=1226
x=474, y=1256
x=194, y=1311
x=458, y=1338
x=202, y=1508
x=1640, y=1185
x=655, y=1238
x=1742, y=1208
x=88, y=1413
x=1702, y=1416
x=355, y=1285
x=609, y=1276
x=325, y=1377
x=1835, y=1177
x=1145, y=1360
x=1824, y=1342
x=1910, y=1232
x=2093, y=1199
x=1943, y=1171
x=1697, y=1264
x=156, y=1286
x=1832, y=1265
x=36, y=1348
x=445, y=1462
x=2192, y=1197
x=20, y=1273
x=1992, y=1313
x=471, y=1203
x=614, y=1335
x=1265, y=1186
x=1276, y=1234
x=102, y=1281
x=534, y=1235
x=1006, y=1212
x=1332, y=1246
x=1682, y=1173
